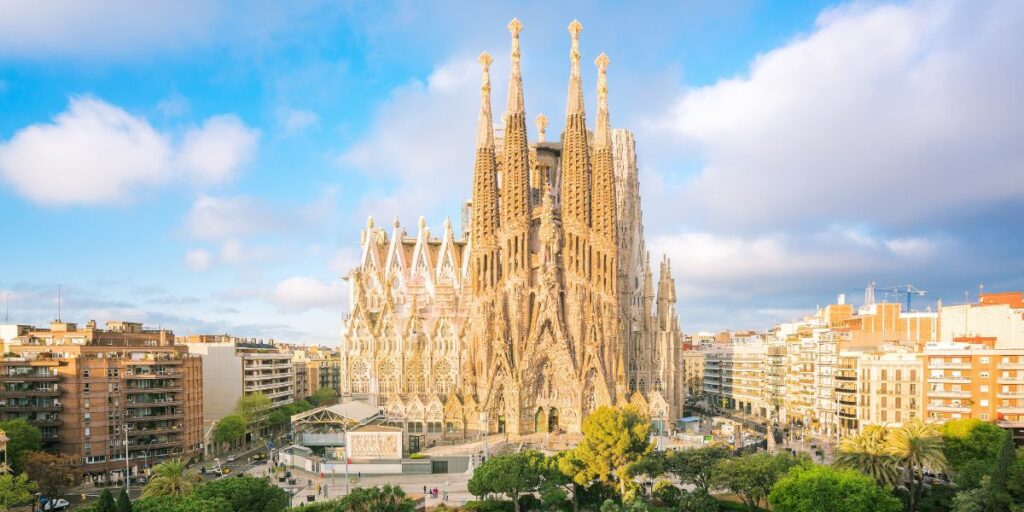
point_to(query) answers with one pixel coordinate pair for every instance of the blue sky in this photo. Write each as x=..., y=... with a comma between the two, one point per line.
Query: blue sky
x=206, y=166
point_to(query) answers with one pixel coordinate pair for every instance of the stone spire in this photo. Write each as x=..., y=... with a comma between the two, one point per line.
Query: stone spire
x=603, y=212
x=515, y=184
x=666, y=296
x=542, y=125
x=484, y=221
x=576, y=169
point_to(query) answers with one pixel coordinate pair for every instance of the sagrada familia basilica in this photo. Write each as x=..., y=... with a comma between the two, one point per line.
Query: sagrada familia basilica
x=543, y=309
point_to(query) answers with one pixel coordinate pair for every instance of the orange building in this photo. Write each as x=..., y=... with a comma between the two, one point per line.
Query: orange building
x=971, y=379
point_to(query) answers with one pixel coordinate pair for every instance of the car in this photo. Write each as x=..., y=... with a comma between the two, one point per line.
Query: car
x=232, y=458
x=60, y=504
x=259, y=456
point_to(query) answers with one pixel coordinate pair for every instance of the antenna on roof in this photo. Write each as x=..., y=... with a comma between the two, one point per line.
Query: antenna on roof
x=7, y=307
x=58, y=303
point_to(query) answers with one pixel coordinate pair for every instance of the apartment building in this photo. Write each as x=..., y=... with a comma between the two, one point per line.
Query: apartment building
x=693, y=372
x=734, y=378
x=970, y=378
x=111, y=395
x=236, y=367
x=890, y=386
x=997, y=315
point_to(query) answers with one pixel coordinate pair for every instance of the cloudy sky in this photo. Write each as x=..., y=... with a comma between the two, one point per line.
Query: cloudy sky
x=206, y=166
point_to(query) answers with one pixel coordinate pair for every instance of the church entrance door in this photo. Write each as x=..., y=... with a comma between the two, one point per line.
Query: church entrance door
x=552, y=420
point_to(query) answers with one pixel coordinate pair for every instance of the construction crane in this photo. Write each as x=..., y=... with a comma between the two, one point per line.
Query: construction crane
x=906, y=289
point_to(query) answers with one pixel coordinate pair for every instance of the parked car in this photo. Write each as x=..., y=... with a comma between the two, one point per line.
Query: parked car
x=232, y=458
x=60, y=504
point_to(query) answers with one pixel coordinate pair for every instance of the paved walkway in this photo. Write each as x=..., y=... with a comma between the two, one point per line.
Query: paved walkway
x=454, y=483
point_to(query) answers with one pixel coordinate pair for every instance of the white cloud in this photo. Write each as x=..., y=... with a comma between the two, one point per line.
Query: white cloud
x=709, y=264
x=198, y=260
x=214, y=152
x=886, y=113
x=236, y=252
x=292, y=121
x=300, y=293
x=174, y=105
x=219, y=218
x=96, y=153
x=425, y=130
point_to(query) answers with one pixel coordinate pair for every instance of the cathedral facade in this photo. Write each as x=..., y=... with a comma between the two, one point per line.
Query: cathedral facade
x=542, y=308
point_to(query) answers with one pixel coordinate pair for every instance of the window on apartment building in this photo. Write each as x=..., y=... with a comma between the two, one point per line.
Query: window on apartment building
x=1004, y=403
x=899, y=375
x=984, y=388
x=1006, y=359
x=85, y=403
x=984, y=375
x=87, y=446
x=85, y=388
x=88, y=431
x=885, y=417
x=85, y=374
x=885, y=374
x=884, y=400
x=898, y=391
x=984, y=360
x=86, y=417
x=913, y=374
x=984, y=403
x=984, y=417
x=899, y=404
x=899, y=417
x=1006, y=389
x=913, y=388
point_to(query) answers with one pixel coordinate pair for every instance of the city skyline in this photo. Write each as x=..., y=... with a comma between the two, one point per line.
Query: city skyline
x=225, y=161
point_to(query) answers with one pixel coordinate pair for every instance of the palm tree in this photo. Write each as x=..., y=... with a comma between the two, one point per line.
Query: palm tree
x=171, y=478
x=867, y=452
x=917, y=445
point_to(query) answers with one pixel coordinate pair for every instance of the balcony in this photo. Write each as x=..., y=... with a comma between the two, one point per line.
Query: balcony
x=152, y=389
x=135, y=432
x=949, y=378
x=1011, y=394
x=1010, y=410
x=152, y=375
x=153, y=403
x=948, y=408
x=950, y=366
x=1011, y=366
x=154, y=417
x=30, y=376
x=1010, y=380
x=949, y=394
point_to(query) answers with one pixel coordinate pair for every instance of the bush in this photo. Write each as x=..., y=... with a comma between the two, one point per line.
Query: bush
x=488, y=506
x=666, y=493
x=246, y=494
x=529, y=502
x=319, y=506
x=418, y=456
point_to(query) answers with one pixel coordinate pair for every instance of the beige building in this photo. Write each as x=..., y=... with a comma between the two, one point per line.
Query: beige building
x=115, y=384
x=236, y=367
x=997, y=315
x=542, y=309
x=693, y=372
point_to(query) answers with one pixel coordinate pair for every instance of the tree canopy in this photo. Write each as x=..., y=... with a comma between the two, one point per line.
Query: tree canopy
x=613, y=440
x=752, y=476
x=510, y=474
x=695, y=466
x=324, y=396
x=171, y=478
x=229, y=429
x=191, y=503
x=245, y=494
x=252, y=407
x=23, y=438
x=124, y=502
x=15, y=490
x=971, y=447
x=53, y=473
x=826, y=489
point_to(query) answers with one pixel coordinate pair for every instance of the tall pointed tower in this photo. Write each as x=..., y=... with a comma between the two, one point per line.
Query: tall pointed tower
x=515, y=169
x=576, y=171
x=484, y=221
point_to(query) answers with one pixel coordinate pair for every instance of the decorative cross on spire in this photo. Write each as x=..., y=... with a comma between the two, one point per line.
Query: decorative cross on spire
x=515, y=27
x=602, y=81
x=574, y=29
x=542, y=123
x=485, y=61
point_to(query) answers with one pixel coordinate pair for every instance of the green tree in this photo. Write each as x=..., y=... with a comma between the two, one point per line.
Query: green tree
x=511, y=474
x=106, y=502
x=558, y=483
x=124, y=503
x=53, y=473
x=827, y=489
x=973, y=500
x=917, y=445
x=389, y=498
x=229, y=429
x=324, y=396
x=15, y=490
x=867, y=452
x=245, y=494
x=971, y=446
x=695, y=466
x=697, y=501
x=23, y=438
x=752, y=476
x=613, y=440
x=1000, y=499
x=252, y=407
x=171, y=478
x=190, y=503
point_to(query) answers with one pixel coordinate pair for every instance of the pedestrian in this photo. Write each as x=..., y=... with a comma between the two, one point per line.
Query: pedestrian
x=424, y=490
